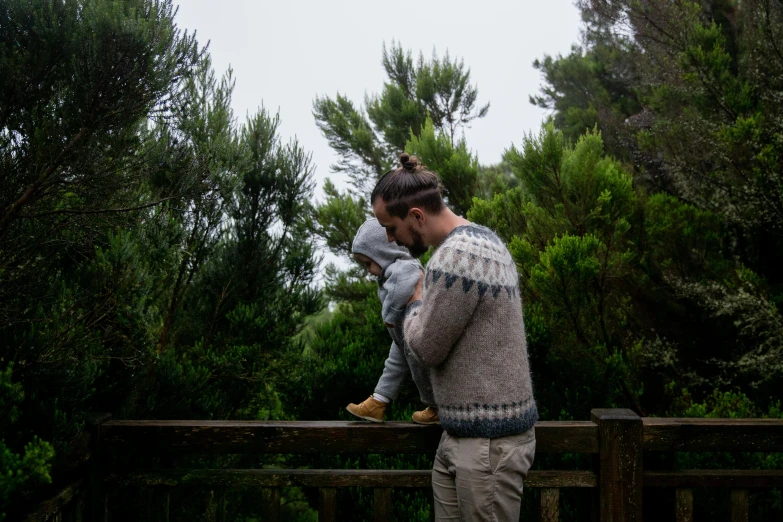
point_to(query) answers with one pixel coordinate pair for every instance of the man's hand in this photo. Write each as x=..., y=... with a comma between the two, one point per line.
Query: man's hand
x=417, y=293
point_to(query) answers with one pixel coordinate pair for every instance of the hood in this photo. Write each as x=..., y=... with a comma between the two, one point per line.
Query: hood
x=371, y=241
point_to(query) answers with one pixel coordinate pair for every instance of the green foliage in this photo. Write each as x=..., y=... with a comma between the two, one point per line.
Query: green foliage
x=369, y=139
x=439, y=89
x=568, y=228
x=728, y=404
x=684, y=241
x=338, y=219
x=423, y=106
x=32, y=465
x=457, y=168
x=683, y=92
x=589, y=88
x=349, y=132
x=156, y=256
x=76, y=79
x=18, y=472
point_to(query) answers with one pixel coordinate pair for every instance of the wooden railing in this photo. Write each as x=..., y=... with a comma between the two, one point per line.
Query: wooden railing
x=616, y=438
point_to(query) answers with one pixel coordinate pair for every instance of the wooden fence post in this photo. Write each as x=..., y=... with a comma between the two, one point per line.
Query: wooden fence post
x=620, y=464
x=95, y=490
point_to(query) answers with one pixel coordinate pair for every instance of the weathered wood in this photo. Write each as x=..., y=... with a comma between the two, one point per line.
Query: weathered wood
x=671, y=434
x=75, y=455
x=328, y=478
x=271, y=506
x=382, y=505
x=561, y=479
x=74, y=511
x=327, y=505
x=299, y=437
x=50, y=507
x=683, y=505
x=216, y=505
x=160, y=505
x=550, y=505
x=98, y=499
x=154, y=504
x=620, y=464
x=566, y=437
x=715, y=478
x=739, y=505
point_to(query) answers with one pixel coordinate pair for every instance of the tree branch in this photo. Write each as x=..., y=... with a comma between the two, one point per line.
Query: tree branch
x=94, y=211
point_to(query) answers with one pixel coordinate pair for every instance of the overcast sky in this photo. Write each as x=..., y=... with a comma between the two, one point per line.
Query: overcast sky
x=285, y=52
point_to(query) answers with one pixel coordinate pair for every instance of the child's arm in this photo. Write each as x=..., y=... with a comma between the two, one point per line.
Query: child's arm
x=400, y=285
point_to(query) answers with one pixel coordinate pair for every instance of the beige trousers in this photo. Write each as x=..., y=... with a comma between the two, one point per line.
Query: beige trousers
x=481, y=479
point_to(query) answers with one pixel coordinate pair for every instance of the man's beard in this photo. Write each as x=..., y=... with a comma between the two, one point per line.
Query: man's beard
x=417, y=248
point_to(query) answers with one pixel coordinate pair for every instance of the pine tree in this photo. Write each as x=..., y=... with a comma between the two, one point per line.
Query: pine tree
x=685, y=91
x=433, y=97
x=77, y=78
x=369, y=139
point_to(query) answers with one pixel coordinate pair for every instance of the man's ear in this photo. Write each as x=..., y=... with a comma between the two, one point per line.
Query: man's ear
x=418, y=215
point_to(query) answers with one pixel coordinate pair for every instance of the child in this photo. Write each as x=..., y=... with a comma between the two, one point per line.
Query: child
x=397, y=273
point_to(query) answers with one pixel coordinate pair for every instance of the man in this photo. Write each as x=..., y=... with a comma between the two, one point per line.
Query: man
x=467, y=326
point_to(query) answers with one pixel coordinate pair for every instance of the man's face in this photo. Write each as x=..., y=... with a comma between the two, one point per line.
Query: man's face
x=402, y=231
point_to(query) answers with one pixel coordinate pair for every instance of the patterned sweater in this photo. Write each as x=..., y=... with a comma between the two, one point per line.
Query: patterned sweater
x=468, y=327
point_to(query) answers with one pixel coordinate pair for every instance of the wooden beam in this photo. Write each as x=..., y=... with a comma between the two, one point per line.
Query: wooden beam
x=271, y=506
x=98, y=498
x=739, y=505
x=327, y=505
x=50, y=507
x=383, y=510
x=301, y=437
x=216, y=505
x=324, y=478
x=160, y=504
x=620, y=465
x=550, y=505
x=715, y=478
x=683, y=505
x=672, y=434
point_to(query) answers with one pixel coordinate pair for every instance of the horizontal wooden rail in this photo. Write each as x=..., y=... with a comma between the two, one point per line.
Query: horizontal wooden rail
x=328, y=478
x=714, y=478
x=673, y=434
x=302, y=437
x=618, y=437
x=51, y=508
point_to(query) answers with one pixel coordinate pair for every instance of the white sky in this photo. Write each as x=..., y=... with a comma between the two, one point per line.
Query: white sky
x=285, y=52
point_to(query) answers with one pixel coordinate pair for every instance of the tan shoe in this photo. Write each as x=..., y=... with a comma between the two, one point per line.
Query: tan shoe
x=428, y=415
x=372, y=409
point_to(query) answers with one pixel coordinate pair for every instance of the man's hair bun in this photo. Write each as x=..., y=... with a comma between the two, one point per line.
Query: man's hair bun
x=409, y=162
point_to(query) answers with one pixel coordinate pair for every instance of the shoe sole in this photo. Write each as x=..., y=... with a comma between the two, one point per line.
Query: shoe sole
x=425, y=423
x=371, y=419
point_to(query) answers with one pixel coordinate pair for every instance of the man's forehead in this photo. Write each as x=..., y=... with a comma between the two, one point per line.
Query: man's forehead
x=384, y=219
x=382, y=222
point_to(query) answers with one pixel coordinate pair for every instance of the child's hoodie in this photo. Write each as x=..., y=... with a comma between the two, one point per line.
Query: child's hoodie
x=400, y=271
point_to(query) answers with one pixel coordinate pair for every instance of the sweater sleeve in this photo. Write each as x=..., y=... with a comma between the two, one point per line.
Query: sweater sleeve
x=434, y=324
x=401, y=280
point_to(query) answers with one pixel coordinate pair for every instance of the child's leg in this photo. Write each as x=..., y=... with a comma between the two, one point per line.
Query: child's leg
x=395, y=371
x=421, y=377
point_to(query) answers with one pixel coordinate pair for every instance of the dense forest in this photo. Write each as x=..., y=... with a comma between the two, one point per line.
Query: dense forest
x=160, y=257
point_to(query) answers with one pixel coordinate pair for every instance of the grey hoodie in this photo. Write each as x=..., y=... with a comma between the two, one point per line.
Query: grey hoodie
x=400, y=270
